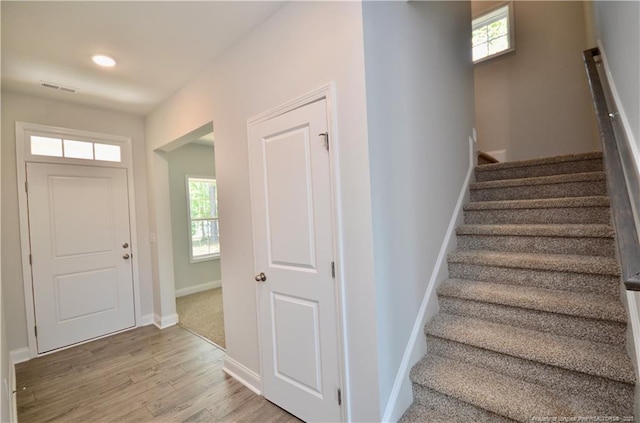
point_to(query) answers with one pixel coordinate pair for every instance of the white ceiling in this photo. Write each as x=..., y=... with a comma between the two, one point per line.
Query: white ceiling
x=158, y=46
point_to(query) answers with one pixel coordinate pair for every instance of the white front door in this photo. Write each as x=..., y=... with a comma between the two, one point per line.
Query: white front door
x=80, y=250
x=293, y=236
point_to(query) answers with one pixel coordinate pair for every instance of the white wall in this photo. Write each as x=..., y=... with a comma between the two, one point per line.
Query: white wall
x=420, y=117
x=193, y=160
x=17, y=107
x=6, y=385
x=617, y=30
x=300, y=48
x=535, y=101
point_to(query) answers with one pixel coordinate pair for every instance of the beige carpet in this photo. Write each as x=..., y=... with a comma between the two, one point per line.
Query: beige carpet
x=202, y=314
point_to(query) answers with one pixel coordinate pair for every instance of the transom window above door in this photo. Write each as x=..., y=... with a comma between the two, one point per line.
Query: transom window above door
x=74, y=149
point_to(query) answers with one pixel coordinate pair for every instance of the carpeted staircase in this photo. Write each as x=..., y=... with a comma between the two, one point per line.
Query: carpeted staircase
x=531, y=325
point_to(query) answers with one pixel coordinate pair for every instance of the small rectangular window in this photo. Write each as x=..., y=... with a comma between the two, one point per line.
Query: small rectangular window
x=78, y=149
x=492, y=33
x=204, y=240
x=72, y=149
x=45, y=146
x=107, y=152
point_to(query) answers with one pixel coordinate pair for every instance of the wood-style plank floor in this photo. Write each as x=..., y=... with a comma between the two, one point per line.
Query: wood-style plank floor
x=143, y=375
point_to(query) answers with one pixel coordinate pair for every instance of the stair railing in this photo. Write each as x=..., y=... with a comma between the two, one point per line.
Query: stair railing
x=618, y=183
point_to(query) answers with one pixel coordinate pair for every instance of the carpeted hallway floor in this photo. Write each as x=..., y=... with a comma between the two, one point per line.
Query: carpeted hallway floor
x=202, y=314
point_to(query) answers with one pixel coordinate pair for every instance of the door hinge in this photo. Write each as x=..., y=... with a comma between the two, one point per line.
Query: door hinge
x=26, y=187
x=333, y=269
x=35, y=329
x=326, y=139
x=30, y=260
x=339, y=396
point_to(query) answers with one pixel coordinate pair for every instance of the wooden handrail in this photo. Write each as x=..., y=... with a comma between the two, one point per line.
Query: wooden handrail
x=488, y=157
x=615, y=163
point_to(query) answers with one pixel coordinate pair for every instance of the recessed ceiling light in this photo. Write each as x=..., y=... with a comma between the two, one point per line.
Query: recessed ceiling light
x=102, y=60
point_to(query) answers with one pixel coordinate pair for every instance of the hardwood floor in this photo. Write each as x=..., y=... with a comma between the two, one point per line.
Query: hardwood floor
x=144, y=375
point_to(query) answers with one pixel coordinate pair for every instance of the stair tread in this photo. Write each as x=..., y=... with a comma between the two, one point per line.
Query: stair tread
x=554, y=262
x=420, y=413
x=542, y=230
x=540, y=180
x=587, y=305
x=497, y=393
x=603, y=360
x=540, y=161
x=542, y=203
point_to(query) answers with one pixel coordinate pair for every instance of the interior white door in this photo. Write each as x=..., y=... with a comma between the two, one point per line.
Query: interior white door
x=293, y=236
x=80, y=249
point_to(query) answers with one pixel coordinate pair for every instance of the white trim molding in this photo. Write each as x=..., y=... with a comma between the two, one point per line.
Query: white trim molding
x=242, y=374
x=163, y=322
x=198, y=288
x=146, y=320
x=401, y=394
x=13, y=410
x=19, y=356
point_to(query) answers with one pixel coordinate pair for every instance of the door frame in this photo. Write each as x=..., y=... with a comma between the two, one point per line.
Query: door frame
x=22, y=157
x=326, y=92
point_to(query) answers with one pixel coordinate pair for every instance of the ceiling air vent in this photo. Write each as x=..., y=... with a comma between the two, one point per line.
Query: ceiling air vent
x=55, y=86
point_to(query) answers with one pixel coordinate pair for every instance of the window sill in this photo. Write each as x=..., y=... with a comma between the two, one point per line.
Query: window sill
x=204, y=258
x=494, y=56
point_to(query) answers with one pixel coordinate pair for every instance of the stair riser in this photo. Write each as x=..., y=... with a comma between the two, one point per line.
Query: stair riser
x=565, y=281
x=528, y=192
x=588, y=329
x=614, y=398
x=538, y=244
x=445, y=404
x=581, y=166
x=560, y=215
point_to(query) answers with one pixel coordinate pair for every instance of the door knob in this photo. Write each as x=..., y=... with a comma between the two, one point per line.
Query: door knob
x=125, y=245
x=261, y=277
x=126, y=256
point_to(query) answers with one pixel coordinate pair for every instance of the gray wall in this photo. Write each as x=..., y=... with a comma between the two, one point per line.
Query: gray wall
x=194, y=160
x=535, y=101
x=618, y=30
x=420, y=117
x=17, y=107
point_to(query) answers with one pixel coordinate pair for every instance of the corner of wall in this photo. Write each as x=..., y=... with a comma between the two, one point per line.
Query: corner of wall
x=163, y=322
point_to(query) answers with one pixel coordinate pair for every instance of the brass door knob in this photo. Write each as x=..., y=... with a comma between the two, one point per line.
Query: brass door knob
x=126, y=256
x=261, y=277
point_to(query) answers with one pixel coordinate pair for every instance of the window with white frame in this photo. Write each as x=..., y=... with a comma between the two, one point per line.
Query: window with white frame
x=74, y=149
x=202, y=198
x=492, y=33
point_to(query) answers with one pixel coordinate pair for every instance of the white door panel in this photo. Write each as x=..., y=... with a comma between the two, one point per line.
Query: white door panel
x=82, y=276
x=291, y=205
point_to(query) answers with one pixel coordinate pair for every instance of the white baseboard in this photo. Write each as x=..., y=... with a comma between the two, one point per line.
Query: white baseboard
x=19, y=356
x=146, y=319
x=242, y=374
x=634, y=320
x=13, y=411
x=401, y=394
x=198, y=288
x=163, y=322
